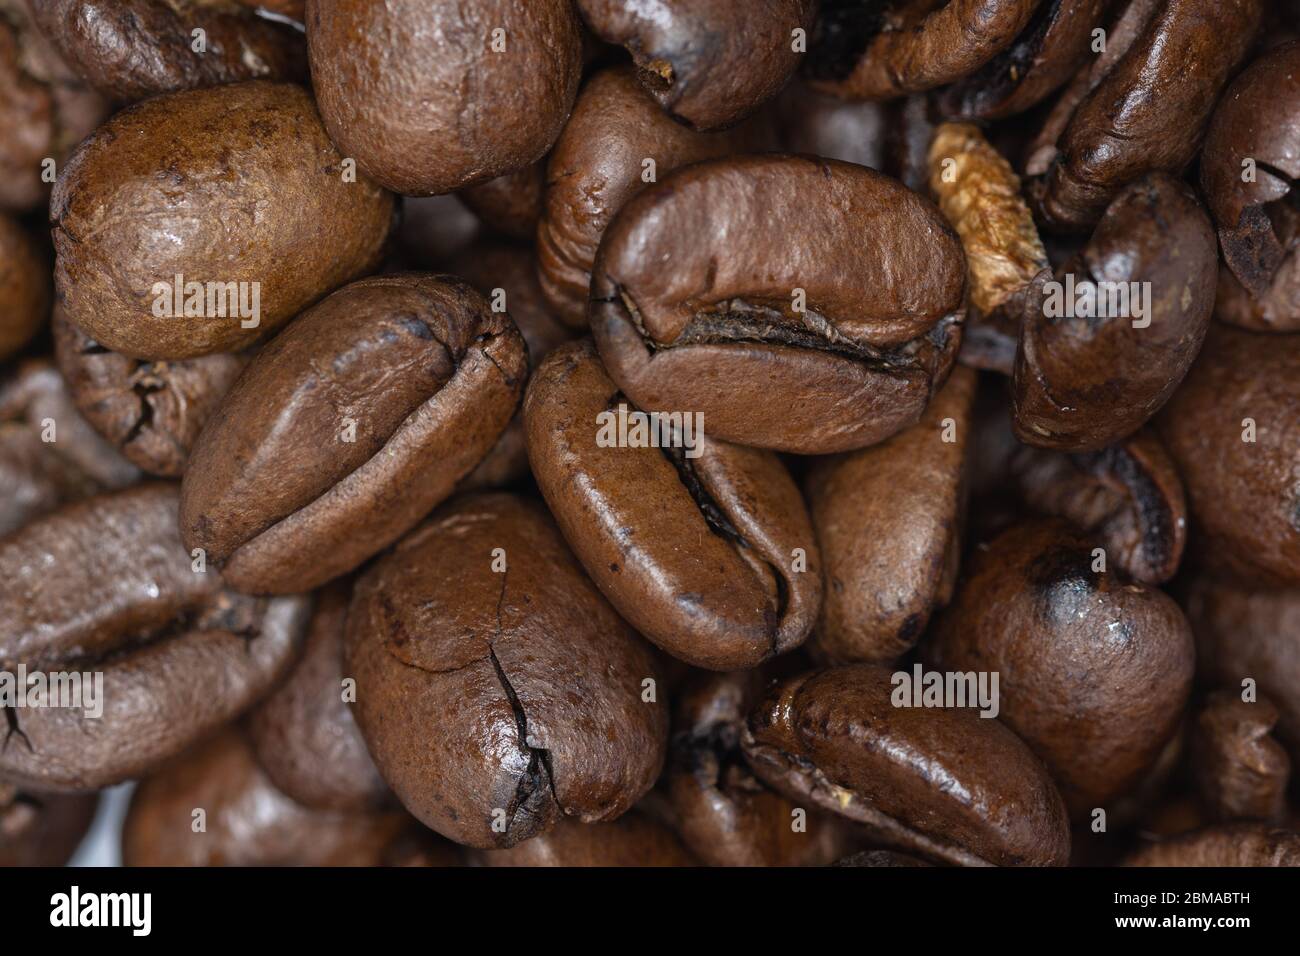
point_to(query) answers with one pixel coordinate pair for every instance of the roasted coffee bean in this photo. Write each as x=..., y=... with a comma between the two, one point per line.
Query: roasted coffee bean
x=634, y=839
x=246, y=820
x=38, y=474
x=723, y=812
x=1232, y=844
x=1090, y=375
x=24, y=287
x=45, y=109
x=304, y=734
x=1246, y=639
x=130, y=258
x=496, y=702
x=1129, y=496
x=130, y=49
x=348, y=428
x=103, y=589
x=434, y=96
x=1232, y=430
x=42, y=829
x=1241, y=771
x=1050, y=49
x=511, y=268
x=1095, y=670
x=787, y=292
x=1249, y=171
x=152, y=412
x=943, y=783
x=888, y=520
x=709, y=63
x=510, y=204
x=1150, y=111
x=748, y=588
x=599, y=164
x=864, y=52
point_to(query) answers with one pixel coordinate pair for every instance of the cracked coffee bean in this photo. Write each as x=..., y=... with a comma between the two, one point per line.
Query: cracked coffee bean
x=425, y=116
x=42, y=829
x=1095, y=670
x=38, y=475
x=497, y=702
x=45, y=109
x=349, y=428
x=152, y=412
x=725, y=333
x=246, y=820
x=945, y=784
x=266, y=206
x=1257, y=124
x=130, y=49
x=103, y=586
x=737, y=597
x=304, y=734
x=708, y=63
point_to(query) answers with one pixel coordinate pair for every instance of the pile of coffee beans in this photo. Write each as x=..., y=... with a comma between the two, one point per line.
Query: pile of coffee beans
x=700, y=432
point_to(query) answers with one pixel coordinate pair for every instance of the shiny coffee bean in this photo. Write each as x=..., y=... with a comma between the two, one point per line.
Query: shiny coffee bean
x=42, y=829
x=152, y=412
x=130, y=49
x=1232, y=430
x=496, y=690
x=598, y=164
x=1088, y=377
x=1249, y=172
x=723, y=812
x=1150, y=110
x=748, y=587
x=863, y=52
x=103, y=587
x=430, y=97
x=246, y=820
x=888, y=519
x=709, y=63
x=304, y=735
x=1095, y=670
x=299, y=229
x=39, y=475
x=944, y=783
x=787, y=292
x=45, y=109
x=348, y=428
